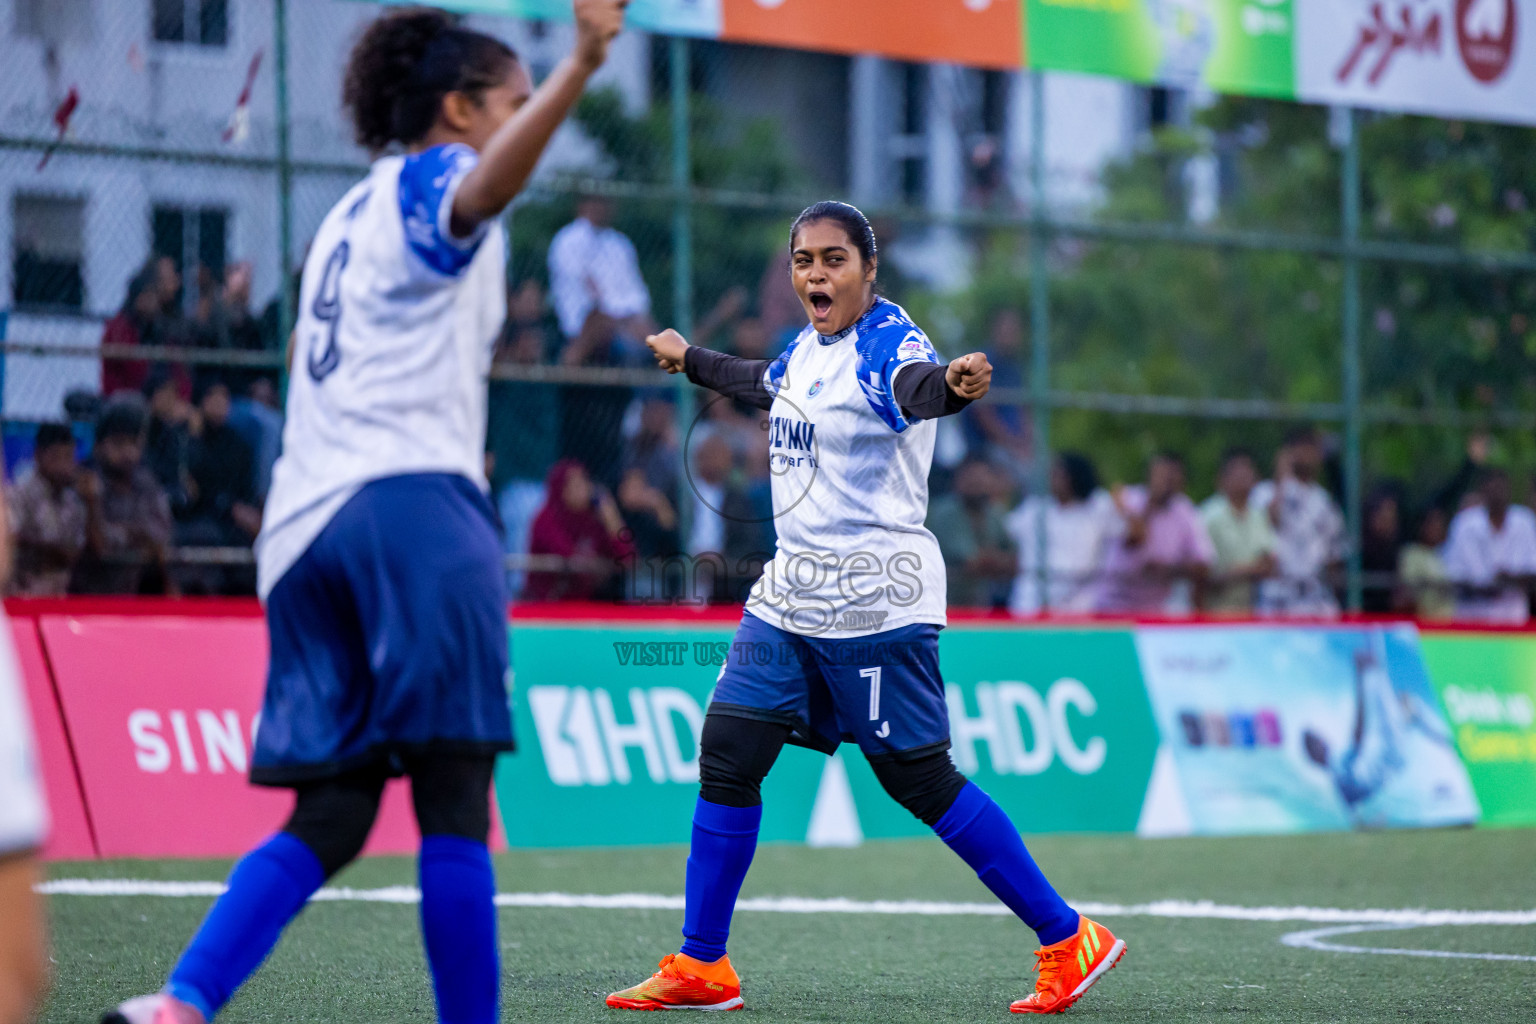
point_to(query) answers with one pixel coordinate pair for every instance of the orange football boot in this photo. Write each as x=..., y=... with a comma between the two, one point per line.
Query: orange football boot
x=1071, y=967
x=683, y=983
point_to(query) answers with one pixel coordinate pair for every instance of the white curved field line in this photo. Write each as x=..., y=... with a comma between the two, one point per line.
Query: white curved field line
x=1190, y=909
x=1314, y=940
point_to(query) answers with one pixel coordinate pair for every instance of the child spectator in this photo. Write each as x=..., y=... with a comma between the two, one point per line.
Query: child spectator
x=47, y=516
x=128, y=517
x=1422, y=569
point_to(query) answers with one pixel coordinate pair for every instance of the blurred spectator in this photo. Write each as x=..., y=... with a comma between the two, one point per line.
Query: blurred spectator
x=225, y=323
x=128, y=518
x=1159, y=541
x=779, y=311
x=1380, y=549
x=595, y=284
x=649, y=489
x=580, y=523
x=750, y=537
x=523, y=426
x=1001, y=432
x=1079, y=519
x=1310, y=529
x=708, y=480
x=223, y=510
x=1421, y=567
x=1491, y=555
x=47, y=516
x=148, y=317
x=979, y=554
x=1241, y=535
x=604, y=312
x=258, y=417
x=167, y=438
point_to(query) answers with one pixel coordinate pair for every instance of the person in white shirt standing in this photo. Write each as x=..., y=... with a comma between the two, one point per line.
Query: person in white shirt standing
x=23, y=826
x=1491, y=555
x=599, y=296
x=1309, y=529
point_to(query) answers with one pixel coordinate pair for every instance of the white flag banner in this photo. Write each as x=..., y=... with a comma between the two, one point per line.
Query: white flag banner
x=1449, y=58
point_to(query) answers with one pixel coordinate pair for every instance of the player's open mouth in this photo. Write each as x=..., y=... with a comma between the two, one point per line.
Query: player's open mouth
x=821, y=302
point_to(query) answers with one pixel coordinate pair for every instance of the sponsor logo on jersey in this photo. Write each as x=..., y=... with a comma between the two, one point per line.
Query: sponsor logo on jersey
x=913, y=348
x=814, y=389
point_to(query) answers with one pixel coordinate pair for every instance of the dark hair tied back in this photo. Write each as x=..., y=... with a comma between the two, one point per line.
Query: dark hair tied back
x=849, y=218
x=405, y=63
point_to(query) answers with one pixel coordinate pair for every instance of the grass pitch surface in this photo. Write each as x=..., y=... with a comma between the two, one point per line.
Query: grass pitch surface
x=344, y=962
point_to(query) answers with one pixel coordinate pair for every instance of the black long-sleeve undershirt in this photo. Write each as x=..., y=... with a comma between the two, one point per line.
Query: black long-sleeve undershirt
x=922, y=390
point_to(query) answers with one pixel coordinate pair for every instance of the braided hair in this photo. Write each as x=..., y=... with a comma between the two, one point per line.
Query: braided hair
x=405, y=63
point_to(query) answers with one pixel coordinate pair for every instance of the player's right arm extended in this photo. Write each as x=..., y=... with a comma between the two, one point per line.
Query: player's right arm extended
x=509, y=157
x=732, y=376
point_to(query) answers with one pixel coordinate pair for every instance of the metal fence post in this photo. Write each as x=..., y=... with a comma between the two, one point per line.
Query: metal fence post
x=284, y=174
x=1040, y=330
x=1353, y=425
x=682, y=249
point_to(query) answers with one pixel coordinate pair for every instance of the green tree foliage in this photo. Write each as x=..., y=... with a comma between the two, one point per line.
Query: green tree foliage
x=1163, y=319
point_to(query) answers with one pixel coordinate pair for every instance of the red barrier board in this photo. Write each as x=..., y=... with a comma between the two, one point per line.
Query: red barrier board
x=161, y=712
x=69, y=833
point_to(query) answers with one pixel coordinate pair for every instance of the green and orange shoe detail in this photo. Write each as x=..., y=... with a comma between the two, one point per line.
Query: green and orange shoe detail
x=1071, y=967
x=683, y=983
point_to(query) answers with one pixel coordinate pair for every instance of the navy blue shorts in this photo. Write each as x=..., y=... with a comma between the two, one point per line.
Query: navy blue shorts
x=388, y=636
x=883, y=692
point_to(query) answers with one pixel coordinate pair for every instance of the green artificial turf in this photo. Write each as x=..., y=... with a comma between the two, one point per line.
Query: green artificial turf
x=356, y=962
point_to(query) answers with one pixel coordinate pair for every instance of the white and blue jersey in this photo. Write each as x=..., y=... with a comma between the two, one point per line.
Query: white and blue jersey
x=397, y=320
x=23, y=816
x=850, y=485
x=379, y=560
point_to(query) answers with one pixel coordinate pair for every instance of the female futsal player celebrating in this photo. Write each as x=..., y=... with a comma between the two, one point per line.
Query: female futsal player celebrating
x=851, y=607
x=379, y=560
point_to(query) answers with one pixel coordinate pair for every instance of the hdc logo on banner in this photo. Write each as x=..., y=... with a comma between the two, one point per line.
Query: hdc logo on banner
x=609, y=722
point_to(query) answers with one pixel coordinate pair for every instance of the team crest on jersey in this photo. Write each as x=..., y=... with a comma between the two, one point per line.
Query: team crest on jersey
x=814, y=389
x=915, y=347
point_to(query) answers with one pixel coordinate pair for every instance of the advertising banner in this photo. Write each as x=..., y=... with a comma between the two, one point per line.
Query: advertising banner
x=979, y=33
x=69, y=832
x=1280, y=729
x=1242, y=46
x=1449, y=58
x=161, y=711
x=1488, y=686
x=669, y=17
x=1053, y=723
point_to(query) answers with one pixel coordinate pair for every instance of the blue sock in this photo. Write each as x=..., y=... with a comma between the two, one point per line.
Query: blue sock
x=458, y=926
x=267, y=889
x=724, y=839
x=980, y=832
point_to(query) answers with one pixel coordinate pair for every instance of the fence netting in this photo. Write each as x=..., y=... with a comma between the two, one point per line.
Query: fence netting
x=1177, y=292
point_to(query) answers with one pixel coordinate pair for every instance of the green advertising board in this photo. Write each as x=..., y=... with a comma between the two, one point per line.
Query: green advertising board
x=1054, y=724
x=1487, y=684
x=1241, y=46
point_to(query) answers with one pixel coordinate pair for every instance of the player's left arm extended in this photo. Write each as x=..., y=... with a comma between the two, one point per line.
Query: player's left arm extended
x=927, y=391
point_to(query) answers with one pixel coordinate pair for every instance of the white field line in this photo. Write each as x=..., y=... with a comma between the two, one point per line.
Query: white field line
x=1314, y=940
x=1188, y=909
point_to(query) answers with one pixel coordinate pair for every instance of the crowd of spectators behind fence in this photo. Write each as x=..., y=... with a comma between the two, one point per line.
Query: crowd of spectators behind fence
x=605, y=495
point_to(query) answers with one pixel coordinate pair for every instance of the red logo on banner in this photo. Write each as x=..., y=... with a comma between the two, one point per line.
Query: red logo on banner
x=1485, y=32
x=1391, y=28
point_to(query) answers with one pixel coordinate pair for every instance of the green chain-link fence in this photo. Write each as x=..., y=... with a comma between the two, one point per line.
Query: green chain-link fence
x=1149, y=270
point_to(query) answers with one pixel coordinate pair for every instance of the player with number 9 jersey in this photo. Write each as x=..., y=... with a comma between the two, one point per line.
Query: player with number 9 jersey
x=379, y=561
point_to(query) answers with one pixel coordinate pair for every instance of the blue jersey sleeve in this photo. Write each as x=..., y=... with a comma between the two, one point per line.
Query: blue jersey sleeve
x=892, y=342
x=428, y=181
x=773, y=376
